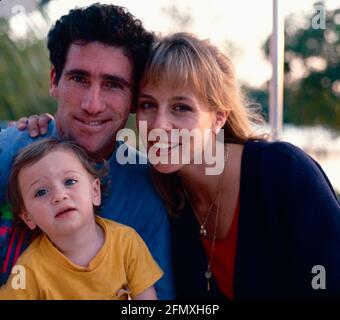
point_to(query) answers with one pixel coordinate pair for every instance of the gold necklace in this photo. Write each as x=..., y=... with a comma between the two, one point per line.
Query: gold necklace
x=217, y=196
x=208, y=273
x=203, y=230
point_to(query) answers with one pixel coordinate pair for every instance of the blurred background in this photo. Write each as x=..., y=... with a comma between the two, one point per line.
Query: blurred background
x=240, y=28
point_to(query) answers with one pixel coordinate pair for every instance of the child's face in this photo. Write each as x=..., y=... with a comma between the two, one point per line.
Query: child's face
x=58, y=194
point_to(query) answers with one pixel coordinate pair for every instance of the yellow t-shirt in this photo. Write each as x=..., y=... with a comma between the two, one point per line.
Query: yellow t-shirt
x=124, y=264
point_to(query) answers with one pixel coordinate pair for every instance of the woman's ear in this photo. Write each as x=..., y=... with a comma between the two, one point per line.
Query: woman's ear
x=220, y=119
x=27, y=219
x=96, y=195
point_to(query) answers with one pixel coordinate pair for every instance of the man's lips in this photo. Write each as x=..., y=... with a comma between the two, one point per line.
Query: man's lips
x=92, y=123
x=64, y=211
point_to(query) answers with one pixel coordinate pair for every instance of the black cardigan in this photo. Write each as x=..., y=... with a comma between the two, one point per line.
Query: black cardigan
x=289, y=222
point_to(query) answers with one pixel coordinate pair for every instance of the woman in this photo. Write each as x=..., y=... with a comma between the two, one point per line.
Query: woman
x=268, y=225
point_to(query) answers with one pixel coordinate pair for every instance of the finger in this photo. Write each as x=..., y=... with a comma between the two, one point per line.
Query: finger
x=43, y=121
x=22, y=123
x=11, y=124
x=33, y=126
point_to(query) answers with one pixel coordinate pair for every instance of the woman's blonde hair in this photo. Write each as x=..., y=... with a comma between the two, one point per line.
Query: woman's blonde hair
x=182, y=60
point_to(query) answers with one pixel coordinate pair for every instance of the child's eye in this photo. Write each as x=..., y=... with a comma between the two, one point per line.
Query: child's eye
x=70, y=182
x=41, y=193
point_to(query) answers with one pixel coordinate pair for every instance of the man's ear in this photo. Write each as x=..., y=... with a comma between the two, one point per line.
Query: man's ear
x=53, y=83
x=96, y=195
x=27, y=219
x=220, y=119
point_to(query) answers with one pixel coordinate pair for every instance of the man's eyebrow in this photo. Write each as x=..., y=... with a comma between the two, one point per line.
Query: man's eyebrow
x=77, y=72
x=107, y=77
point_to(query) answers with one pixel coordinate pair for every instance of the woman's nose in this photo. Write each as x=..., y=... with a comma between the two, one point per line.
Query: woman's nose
x=161, y=121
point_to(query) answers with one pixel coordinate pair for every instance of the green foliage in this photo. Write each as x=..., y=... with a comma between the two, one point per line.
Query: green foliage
x=312, y=98
x=24, y=76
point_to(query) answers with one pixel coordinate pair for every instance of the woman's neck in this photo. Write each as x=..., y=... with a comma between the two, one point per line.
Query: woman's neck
x=200, y=186
x=202, y=190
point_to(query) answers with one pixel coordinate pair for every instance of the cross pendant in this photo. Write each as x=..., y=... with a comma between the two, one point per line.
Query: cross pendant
x=203, y=232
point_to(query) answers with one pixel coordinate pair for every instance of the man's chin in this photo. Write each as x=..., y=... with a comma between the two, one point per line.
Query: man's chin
x=97, y=152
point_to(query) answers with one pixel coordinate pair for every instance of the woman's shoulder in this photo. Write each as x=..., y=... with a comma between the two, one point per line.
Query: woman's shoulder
x=285, y=164
x=280, y=149
x=278, y=156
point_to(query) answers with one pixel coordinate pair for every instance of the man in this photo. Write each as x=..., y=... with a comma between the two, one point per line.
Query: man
x=98, y=55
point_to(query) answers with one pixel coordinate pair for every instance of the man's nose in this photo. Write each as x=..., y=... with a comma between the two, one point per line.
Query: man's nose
x=92, y=102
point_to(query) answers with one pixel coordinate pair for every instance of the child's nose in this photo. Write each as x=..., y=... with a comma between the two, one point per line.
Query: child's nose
x=59, y=196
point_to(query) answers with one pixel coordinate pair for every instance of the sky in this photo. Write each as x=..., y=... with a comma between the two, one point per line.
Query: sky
x=245, y=23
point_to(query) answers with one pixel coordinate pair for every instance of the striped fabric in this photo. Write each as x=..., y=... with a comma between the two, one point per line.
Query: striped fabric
x=14, y=239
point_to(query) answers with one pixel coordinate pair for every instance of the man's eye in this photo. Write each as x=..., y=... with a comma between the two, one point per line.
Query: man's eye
x=114, y=85
x=41, y=193
x=182, y=108
x=79, y=79
x=70, y=182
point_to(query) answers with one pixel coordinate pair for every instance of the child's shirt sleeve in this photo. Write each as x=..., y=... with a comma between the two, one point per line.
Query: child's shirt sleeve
x=142, y=269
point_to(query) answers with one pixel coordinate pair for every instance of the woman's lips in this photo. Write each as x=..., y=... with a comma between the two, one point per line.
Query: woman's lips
x=164, y=147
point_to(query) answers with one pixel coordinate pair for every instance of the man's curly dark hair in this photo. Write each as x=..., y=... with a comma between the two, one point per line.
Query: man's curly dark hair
x=108, y=24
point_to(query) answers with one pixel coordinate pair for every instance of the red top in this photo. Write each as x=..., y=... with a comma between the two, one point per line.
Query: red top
x=223, y=260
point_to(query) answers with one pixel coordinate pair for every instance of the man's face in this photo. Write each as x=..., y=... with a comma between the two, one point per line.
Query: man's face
x=94, y=96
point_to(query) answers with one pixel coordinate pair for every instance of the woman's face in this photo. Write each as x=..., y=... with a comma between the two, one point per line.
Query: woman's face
x=166, y=112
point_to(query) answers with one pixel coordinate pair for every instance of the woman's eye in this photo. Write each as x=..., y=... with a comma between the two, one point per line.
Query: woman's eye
x=41, y=193
x=70, y=182
x=182, y=108
x=146, y=105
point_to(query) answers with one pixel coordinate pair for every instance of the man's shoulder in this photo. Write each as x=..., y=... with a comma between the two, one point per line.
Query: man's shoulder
x=127, y=162
x=12, y=139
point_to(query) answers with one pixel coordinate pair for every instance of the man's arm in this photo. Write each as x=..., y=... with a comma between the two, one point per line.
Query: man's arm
x=37, y=124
